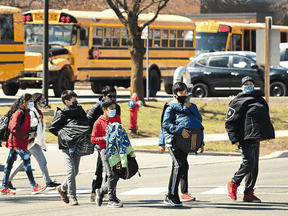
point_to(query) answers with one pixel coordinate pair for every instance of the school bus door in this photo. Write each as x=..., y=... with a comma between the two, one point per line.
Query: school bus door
x=83, y=53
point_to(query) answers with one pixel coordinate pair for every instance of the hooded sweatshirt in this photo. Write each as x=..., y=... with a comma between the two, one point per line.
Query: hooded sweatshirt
x=99, y=129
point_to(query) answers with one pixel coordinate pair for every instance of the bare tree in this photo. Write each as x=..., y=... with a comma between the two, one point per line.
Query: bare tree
x=280, y=7
x=129, y=18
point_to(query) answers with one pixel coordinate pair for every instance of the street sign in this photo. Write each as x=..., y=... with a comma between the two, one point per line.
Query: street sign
x=144, y=34
x=95, y=53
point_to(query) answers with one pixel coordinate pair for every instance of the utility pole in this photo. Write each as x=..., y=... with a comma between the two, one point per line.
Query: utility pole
x=268, y=27
x=45, y=82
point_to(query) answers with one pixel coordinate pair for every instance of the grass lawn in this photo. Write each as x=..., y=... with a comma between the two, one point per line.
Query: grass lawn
x=213, y=121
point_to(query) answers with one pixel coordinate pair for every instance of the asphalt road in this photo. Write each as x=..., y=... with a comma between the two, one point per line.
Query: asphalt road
x=144, y=195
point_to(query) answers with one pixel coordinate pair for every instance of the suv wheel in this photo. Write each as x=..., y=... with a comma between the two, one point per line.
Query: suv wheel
x=200, y=90
x=277, y=89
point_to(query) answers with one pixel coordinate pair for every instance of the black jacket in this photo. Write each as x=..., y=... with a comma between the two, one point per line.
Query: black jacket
x=71, y=126
x=248, y=119
x=96, y=111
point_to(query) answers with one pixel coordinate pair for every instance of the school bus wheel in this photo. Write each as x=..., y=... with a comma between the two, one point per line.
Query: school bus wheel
x=154, y=83
x=168, y=88
x=97, y=87
x=63, y=82
x=10, y=89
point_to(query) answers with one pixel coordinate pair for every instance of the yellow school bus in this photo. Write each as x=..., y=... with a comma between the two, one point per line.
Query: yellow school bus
x=228, y=36
x=92, y=46
x=12, y=48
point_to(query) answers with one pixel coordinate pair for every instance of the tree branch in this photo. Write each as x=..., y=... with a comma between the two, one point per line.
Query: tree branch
x=118, y=12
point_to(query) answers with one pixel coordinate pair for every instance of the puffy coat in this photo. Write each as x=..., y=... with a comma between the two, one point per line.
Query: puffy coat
x=41, y=134
x=248, y=118
x=71, y=126
x=18, y=131
x=99, y=129
x=96, y=111
x=177, y=117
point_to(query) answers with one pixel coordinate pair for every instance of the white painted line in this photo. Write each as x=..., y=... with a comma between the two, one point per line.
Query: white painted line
x=145, y=191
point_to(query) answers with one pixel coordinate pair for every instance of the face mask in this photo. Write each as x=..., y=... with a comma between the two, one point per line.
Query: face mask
x=111, y=113
x=42, y=104
x=182, y=99
x=30, y=105
x=248, y=89
x=74, y=104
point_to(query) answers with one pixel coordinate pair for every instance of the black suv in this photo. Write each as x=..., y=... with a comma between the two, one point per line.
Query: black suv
x=220, y=74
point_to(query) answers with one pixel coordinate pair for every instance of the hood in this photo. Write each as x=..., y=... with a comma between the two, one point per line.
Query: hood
x=179, y=107
x=256, y=93
x=53, y=51
x=77, y=112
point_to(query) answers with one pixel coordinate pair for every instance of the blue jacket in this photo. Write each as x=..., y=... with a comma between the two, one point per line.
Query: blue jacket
x=176, y=118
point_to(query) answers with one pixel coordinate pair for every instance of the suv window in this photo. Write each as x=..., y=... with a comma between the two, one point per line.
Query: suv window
x=219, y=62
x=241, y=62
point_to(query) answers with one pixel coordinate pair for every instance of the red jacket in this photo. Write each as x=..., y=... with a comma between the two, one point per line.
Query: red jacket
x=20, y=133
x=99, y=129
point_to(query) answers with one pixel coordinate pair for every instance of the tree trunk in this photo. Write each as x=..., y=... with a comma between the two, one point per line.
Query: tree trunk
x=137, y=52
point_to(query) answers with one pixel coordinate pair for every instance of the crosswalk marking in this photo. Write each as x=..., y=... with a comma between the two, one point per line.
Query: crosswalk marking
x=145, y=191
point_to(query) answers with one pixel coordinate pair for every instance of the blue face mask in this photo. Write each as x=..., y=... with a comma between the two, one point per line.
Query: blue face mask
x=30, y=105
x=111, y=113
x=248, y=89
x=42, y=104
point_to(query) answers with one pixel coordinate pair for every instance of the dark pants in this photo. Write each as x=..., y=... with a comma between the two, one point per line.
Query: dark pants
x=98, y=177
x=179, y=172
x=249, y=166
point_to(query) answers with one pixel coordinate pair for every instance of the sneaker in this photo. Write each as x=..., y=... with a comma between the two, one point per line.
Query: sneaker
x=173, y=201
x=10, y=186
x=232, y=190
x=6, y=191
x=251, y=198
x=37, y=189
x=187, y=197
x=63, y=195
x=115, y=203
x=52, y=185
x=99, y=197
x=73, y=202
x=92, y=197
x=105, y=198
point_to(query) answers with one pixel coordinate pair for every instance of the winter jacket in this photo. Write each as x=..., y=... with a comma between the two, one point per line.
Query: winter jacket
x=248, y=118
x=71, y=126
x=99, y=129
x=41, y=134
x=18, y=131
x=118, y=145
x=176, y=118
x=96, y=111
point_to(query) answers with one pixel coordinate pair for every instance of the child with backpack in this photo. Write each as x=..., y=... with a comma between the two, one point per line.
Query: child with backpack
x=93, y=114
x=36, y=145
x=18, y=141
x=179, y=116
x=98, y=134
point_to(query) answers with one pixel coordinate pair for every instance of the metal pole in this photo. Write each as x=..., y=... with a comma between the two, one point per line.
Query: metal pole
x=268, y=27
x=147, y=64
x=45, y=82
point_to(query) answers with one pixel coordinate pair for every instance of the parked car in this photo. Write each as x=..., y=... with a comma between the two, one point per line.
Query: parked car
x=284, y=55
x=220, y=74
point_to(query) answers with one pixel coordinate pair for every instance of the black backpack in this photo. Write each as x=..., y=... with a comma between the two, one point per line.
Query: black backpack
x=4, y=123
x=129, y=171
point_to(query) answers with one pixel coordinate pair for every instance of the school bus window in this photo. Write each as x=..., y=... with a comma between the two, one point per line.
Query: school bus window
x=253, y=37
x=188, y=38
x=180, y=35
x=237, y=42
x=157, y=34
x=164, y=37
x=7, y=27
x=172, y=38
x=124, y=37
x=97, y=36
x=85, y=42
x=150, y=37
x=107, y=41
x=283, y=37
x=116, y=37
x=246, y=40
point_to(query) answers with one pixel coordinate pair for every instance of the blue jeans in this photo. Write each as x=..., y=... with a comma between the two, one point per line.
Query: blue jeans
x=12, y=156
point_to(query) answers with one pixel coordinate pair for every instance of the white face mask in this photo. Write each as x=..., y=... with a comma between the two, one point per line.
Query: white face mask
x=248, y=89
x=30, y=105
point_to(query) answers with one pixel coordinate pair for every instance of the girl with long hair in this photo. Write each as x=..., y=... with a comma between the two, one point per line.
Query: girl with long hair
x=36, y=145
x=18, y=140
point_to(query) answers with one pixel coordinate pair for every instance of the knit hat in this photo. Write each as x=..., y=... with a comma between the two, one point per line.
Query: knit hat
x=247, y=78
